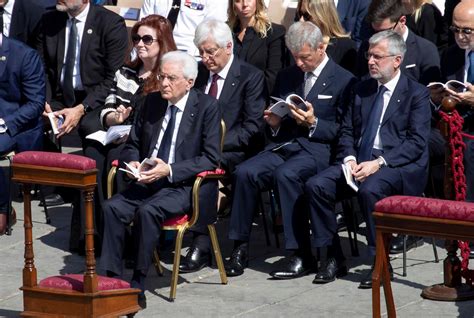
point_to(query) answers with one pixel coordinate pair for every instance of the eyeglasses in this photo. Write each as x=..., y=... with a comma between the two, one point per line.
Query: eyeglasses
x=303, y=14
x=391, y=28
x=147, y=39
x=209, y=55
x=466, y=31
x=171, y=78
x=376, y=57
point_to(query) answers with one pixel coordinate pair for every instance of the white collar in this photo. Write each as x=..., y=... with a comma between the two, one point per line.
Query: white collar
x=181, y=104
x=317, y=71
x=223, y=73
x=9, y=6
x=81, y=17
x=390, y=85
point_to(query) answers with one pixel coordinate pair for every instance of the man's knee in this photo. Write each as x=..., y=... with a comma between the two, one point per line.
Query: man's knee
x=285, y=175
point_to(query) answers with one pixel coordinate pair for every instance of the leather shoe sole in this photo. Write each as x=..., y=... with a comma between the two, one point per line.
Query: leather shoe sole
x=289, y=275
x=367, y=284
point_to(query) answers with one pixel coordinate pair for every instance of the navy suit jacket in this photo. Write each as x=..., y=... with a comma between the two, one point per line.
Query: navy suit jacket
x=241, y=102
x=404, y=130
x=22, y=92
x=198, y=142
x=26, y=16
x=421, y=62
x=352, y=15
x=330, y=96
x=103, y=48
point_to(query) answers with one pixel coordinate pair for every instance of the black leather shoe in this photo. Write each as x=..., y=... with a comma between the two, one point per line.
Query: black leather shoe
x=53, y=199
x=331, y=270
x=296, y=267
x=396, y=246
x=238, y=261
x=142, y=300
x=195, y=260
x=366, y=282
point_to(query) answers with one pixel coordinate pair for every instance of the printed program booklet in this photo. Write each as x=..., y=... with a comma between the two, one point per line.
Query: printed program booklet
x=145, y=165
x=112, y=134
x=280, y=107
x=346, y=169
x=453, y=85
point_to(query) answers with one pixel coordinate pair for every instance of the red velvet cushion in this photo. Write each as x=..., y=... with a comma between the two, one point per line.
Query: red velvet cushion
x=54, y=160
x=75, y=282
x=178, y=220
x=217, y=172
x=435, y=208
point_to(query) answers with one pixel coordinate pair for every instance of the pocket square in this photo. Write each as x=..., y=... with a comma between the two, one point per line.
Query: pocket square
x=320, y=96
x=410, y=66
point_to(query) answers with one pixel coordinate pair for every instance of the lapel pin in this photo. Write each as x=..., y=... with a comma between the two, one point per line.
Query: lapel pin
x=89, y=31
x=398, y=100
x=233, y=84
x=3, y=58
x=192, y=115
x=324, y=84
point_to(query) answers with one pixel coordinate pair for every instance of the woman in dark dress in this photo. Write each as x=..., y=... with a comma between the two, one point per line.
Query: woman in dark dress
x=323, y=13
x=257, y=41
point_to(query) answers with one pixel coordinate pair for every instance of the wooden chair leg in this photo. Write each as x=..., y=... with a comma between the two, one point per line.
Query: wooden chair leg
x=435, y=251
x=177, y=259
x=387, y=284
x=217, y=253
x=157, y=263
x=110, y=181
x=376, y=276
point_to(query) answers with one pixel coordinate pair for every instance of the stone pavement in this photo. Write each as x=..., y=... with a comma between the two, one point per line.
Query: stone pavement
x=251, y=295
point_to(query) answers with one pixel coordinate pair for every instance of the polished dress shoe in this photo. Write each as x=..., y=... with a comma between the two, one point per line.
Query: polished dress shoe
x=238, y=261
x=295, y=267
x=331, y=270
x=195, y=260
x=3, y=221
x=142, y=300
x=366, y=282
x=53, y=199
x=396, y=246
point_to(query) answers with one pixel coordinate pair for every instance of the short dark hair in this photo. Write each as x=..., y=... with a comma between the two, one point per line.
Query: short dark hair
x=380, y=10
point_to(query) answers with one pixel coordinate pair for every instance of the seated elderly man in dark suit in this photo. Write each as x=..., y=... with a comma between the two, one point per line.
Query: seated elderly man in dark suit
x=179, y=130
x=383, y=142
x=22, y=97
x=300, y=147
x=240, y=91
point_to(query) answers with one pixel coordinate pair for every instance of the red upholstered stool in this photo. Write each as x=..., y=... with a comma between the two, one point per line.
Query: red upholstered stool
x=451, y=220
x=87, y=295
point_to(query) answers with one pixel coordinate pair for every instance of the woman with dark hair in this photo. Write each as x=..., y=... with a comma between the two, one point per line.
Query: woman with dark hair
x=323, y=13
x=257, y=40
x=151, y=37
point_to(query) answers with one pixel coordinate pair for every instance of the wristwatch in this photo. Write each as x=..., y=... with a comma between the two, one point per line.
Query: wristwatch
x=3, y=126
x=381, y=162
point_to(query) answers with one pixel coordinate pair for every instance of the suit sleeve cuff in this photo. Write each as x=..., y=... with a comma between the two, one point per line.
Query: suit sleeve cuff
x=170, y=177
x=349, y=158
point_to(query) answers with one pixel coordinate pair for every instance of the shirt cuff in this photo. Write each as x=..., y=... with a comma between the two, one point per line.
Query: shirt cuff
x=274, y=131
x=103, y=115
x=384, y=162
x=349, y=158
x=313, y=127
x=170, y=177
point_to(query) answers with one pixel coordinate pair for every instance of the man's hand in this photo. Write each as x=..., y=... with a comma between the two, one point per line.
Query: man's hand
x=437, y=94
x=352, y=164
x=160, y=170
x=365, y=169
x=466, y=97
x=72, y=116
x=47, y=109
x=305, y=118
x=134, y=164
x=272, y=120
x=121, y=114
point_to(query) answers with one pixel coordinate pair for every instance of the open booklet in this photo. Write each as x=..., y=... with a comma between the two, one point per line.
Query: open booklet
x=56, y=122
x=145, y=165
x=346, y=169
x=280, y=106
x=453, y=85
x=112, y=134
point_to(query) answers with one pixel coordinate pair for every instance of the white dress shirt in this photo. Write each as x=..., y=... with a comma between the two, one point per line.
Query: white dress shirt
x=191, y=13
x=7, y=17
x=80, y=24
x=222, y=76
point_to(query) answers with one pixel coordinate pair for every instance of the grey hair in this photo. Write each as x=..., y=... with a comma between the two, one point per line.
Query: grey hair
x=212, y=29
x=395, y=43
x=187, y=62
x=301, y=33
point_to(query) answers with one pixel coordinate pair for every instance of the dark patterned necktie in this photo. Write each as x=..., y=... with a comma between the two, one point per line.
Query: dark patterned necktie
x=213, y=88
x=165, y=145
x=2, y=10
x=68, y=89
x=368, y=138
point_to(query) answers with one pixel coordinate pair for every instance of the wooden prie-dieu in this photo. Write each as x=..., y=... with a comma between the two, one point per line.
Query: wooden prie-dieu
x=73, y=295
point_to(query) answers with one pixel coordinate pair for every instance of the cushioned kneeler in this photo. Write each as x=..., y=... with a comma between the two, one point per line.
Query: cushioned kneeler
x=76, y=295
x=451, y=220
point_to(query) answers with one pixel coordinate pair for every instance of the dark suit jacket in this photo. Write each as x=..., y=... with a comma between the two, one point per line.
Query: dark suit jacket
x=241, y=103
x=267, y=54
x=343, y=51
x=329, y=96
x=103, y=48
x=352, y=15
x=26, y=16
x=404, y=130
x=198, y=141
x=22, y=92
x=430, y=26
x=421, y=61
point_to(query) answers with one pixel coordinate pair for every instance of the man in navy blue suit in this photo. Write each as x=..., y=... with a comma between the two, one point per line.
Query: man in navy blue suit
x=352, y=15
x=383, y=141
x=22, y=98
x=300, y=146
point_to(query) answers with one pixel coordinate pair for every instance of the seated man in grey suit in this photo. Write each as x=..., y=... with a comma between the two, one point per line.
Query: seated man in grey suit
x=300, y=146
x=179, y=130
x=384, y=143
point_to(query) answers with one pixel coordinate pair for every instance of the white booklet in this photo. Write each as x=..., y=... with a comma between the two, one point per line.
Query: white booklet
x=280, y=106
x=346, y=169
x=453, y=85
x=145, y=165
x=56, y=122
x=112, y=134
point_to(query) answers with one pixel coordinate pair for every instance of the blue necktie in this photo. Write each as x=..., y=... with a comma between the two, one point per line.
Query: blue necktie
x=68, y=89
x=368, y=138
x=165, y=145
x=470, y=72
